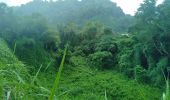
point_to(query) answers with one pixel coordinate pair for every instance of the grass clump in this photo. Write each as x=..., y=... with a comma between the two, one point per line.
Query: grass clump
x=12, y=72
x=15, y=78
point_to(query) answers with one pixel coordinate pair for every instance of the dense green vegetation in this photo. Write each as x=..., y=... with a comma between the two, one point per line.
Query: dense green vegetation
x=67, y=11
x=109, y=55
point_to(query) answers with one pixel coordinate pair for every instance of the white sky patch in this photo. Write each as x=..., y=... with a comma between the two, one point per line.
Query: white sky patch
x=159, y=2
x=128, y=6
x=15, y=2
x=131, y=6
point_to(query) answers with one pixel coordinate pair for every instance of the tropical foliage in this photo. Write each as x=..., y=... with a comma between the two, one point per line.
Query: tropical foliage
x=110, y=55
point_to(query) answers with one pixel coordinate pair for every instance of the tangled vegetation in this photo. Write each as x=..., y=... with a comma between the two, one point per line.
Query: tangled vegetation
x=110, y=55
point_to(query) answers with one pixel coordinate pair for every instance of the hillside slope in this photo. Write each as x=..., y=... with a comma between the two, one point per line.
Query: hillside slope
x=80, y=82
x=11, y=71
x=14, y=77
x=73, y=11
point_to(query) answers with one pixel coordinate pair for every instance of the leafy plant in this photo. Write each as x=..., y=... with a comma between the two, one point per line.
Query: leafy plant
x=56, y=83
x=102, y=59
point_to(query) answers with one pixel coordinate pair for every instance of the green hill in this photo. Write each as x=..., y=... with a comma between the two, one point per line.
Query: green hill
x=78, y=82
x=103, y=61
x=80, y=12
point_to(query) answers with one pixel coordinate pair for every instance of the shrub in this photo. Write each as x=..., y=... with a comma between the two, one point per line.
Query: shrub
x=107, y=43
x=102, y=59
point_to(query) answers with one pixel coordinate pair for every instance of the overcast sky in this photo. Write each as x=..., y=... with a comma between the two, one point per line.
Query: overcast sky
x=128, y=6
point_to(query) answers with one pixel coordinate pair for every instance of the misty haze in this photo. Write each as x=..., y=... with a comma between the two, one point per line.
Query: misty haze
x=84, y=49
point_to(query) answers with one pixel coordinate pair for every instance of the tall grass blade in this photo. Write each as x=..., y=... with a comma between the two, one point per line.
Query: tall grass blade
x=56, y=83
x=166, y=96
x=105, y=95
x=48, y=65
x=8, y=95
x=15, y=45
x=36, y=74
x=19, y=77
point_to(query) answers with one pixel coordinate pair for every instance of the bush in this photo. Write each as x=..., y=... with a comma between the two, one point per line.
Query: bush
x=50, y=40
x=102, y=59
x=106, y=43
x=78, y=61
